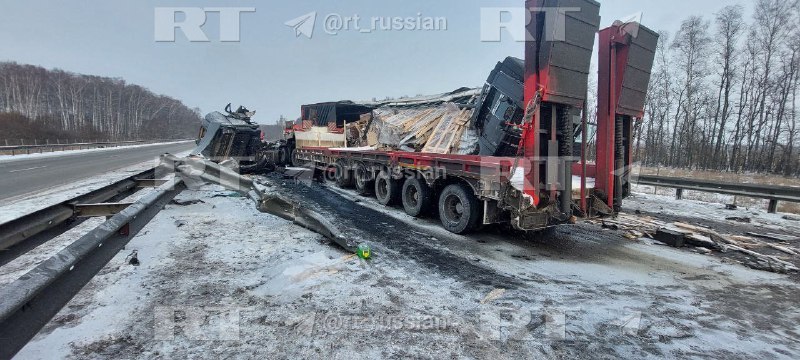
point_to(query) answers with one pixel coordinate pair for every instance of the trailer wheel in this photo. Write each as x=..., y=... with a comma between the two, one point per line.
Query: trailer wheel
x=283, y=156
x=459, y=209
x=293, y=158
x=387, y=190
x=417, y=196
x=342, y=175
x=365, y=184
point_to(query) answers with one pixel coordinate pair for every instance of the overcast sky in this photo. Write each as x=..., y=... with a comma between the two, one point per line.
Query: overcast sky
x=270, y=69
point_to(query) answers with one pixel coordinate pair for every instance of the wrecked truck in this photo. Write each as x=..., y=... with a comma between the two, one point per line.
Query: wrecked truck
x=526, y=120
x=232, y=136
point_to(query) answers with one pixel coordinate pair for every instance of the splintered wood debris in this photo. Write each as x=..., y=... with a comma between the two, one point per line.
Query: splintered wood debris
x=438, y=129
x=680, y=234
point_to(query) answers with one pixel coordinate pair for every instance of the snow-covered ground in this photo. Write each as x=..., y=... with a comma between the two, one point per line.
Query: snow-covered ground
x=219, y=279
x=21, y=265
x=8, y=158
x=707, y=206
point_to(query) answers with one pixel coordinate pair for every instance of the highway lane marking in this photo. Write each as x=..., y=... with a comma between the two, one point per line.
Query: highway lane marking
x=33, y=168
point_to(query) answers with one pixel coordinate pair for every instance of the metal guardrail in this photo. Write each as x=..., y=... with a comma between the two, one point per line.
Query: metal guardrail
x=772, y=193
x=25, y=227
x=32, y=300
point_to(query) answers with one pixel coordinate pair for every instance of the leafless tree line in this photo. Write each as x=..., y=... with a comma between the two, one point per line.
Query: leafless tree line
x=723, y=93
x=87, y=106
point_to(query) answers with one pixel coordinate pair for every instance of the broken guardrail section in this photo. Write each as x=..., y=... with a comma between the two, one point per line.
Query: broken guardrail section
x=31, y=301
x=196, y=170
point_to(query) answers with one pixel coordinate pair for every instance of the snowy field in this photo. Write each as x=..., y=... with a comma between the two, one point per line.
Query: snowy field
x=219, y=279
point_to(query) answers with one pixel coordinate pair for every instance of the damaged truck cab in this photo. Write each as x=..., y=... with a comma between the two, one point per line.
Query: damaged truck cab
x=232, y=137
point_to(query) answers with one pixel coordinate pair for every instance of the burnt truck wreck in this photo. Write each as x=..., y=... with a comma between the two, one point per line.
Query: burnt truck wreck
x=503, y=153
x=232, y=136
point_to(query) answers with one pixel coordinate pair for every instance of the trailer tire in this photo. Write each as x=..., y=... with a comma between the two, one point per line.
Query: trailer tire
x=283, y=156
x=459, y=209
x=387, y=189
x=365, y=184
x=293, y=158
x=417, y=196
x=342, y=175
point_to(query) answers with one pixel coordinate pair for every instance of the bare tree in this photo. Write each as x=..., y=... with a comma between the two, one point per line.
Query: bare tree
x=691, y=46
x=729, y=29
x=90, y=107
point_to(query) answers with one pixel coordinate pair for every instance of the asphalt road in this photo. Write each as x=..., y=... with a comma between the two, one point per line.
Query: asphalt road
x=20, y=177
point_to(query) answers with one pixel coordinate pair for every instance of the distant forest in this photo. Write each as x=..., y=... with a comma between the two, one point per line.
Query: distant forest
x=723, y=93
x=40, y=104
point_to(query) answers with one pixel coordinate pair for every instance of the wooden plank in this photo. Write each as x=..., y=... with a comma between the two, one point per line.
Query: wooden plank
x=777, y=237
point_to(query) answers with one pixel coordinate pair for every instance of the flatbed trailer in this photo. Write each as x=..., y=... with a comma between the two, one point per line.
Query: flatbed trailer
x=467, y=191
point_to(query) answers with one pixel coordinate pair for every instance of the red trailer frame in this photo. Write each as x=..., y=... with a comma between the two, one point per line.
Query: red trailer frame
x=626, y=53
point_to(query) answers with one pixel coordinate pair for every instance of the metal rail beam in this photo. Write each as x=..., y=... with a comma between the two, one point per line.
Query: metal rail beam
x=32, y=300
x=18, y=230
x=771, y=192
x=101, y=209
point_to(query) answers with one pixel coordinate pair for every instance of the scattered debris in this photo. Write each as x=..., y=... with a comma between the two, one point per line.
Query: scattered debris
x=179, y=223
x=679, y=234
x=133, y=258
x=731, y=207
x=364, y=251
x=198, y=170
x=186, y=202
x=670, y=237
x=763, y=262
x=791, y=218
x=776, y=237
x=739, y=219
x=610, y=225
x=703, y=250
x=232, y=195
x=493, y=295
x=297, y=173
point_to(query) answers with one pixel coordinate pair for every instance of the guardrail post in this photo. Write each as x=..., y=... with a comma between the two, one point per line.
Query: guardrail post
x=678, y=194
x=773, y=206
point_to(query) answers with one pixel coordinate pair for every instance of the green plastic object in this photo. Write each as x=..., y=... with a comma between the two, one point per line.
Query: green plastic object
x=364, y=251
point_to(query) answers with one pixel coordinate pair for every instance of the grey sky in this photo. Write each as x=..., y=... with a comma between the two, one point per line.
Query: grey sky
x=270, y=69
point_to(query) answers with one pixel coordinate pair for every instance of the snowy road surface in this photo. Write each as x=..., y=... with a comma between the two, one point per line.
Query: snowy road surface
x=27, y=174
x=219, y=279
